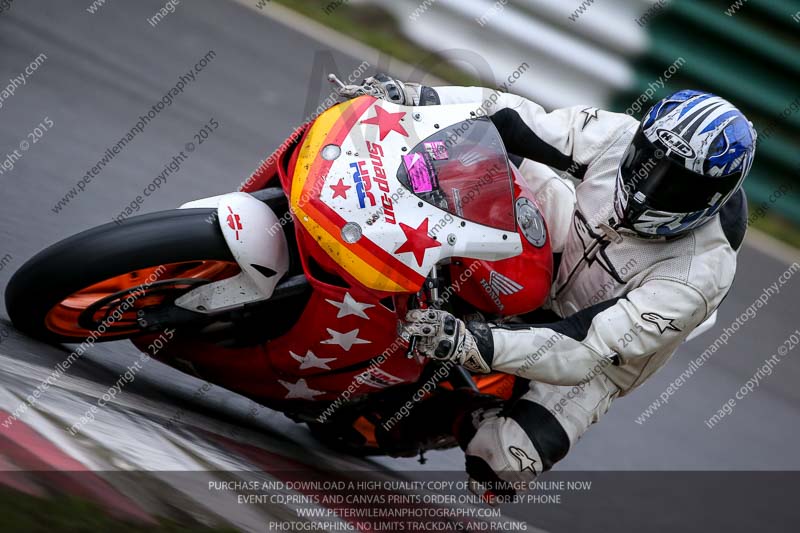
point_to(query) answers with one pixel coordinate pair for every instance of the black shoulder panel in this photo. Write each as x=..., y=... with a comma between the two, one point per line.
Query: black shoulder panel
x=733, y=218
x=521, y=140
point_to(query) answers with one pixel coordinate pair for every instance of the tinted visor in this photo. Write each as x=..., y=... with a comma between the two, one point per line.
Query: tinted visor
x=666, y=184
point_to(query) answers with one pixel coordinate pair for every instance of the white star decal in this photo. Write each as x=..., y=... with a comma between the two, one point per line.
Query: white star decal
x=299, y=390
x=349, y=306
x=310, y=360
x=345, y=340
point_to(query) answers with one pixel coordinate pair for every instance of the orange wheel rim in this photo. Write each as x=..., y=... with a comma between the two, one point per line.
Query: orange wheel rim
x=111, y=307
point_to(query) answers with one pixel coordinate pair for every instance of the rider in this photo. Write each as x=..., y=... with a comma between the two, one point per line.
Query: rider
x=645, y=252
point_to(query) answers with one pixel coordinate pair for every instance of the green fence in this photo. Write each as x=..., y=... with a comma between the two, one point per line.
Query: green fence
x=749, y=52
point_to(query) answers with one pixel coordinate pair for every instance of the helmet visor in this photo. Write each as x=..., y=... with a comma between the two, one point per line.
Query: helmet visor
x=650, y=177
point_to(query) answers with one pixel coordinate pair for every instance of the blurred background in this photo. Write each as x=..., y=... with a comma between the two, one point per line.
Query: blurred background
x=621, y=55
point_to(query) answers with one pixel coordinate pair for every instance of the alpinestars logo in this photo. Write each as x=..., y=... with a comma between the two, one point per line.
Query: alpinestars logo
x=591, y=114
x=661, y=322
x=526, y=462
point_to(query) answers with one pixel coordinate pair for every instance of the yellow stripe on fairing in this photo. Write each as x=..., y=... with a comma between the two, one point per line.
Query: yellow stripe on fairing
x=338, y=251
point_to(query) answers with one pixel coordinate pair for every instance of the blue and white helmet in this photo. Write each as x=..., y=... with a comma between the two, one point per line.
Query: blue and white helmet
x=691, y=153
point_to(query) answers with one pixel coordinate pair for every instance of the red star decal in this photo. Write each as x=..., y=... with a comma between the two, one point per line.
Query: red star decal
x=340, y=189
x=387, y=122
x=417, y=241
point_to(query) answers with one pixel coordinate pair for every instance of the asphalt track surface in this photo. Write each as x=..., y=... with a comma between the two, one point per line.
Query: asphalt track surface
x=105, y=70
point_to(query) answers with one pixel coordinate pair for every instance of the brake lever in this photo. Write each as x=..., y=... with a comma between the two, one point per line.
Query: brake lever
x=431, y=288
x=412, y=347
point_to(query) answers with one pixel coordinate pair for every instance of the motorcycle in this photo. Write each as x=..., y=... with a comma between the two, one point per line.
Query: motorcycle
x=292, y=290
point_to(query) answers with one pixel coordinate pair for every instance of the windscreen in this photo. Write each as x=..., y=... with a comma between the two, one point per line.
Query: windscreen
x=463, y=170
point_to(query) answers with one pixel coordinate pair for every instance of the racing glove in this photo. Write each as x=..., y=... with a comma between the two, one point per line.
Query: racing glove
x=386, y=88
x=440, y=335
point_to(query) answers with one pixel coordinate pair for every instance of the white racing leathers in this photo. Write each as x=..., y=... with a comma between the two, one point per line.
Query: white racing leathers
x=626, y=302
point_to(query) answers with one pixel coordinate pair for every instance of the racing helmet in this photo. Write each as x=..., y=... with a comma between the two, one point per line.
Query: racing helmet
x=691, y=153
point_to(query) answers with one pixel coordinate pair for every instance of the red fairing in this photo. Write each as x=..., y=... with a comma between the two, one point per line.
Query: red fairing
x=345, y=338
x=345, y=341
x=512, y=286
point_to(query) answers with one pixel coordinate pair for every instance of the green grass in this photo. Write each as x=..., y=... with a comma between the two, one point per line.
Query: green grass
x=377, y=27
x=780, y=228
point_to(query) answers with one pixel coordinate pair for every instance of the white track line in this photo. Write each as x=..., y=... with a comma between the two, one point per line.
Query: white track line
x=769, y=245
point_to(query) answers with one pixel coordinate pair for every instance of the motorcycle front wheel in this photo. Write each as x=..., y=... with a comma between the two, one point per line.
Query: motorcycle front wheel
x=95, y=283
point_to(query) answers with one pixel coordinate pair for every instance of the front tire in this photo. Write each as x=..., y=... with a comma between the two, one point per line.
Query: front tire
x=66, y=291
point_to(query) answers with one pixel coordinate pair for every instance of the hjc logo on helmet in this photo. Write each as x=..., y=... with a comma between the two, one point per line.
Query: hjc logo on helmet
x=676, y=143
